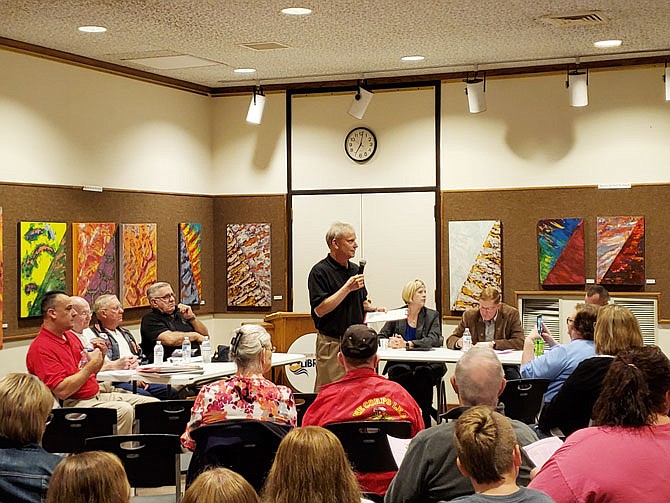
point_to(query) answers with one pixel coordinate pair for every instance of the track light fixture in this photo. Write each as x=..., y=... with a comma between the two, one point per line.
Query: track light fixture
x=256, y=106
x=666, y=79
x=361, y=101
x=475, y=89
x=578, y=86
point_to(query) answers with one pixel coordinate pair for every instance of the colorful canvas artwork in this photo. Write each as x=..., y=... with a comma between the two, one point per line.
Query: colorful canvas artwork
x=94, y=266
x=475, y=260
x=42, y=263
x=2, y=278
x=190, y=277
x=560, y=244
x=620, y=251
x=138, y=263
x=248, y=247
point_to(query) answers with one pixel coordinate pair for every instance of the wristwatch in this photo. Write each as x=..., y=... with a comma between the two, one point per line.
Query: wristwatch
x=407, y=345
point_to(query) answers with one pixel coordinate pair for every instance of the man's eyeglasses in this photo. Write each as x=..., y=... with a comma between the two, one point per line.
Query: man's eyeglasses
x=166, y=297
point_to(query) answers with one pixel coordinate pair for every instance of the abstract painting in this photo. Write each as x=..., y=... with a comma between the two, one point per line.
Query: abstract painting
x=475, y=260
x=190, y=275
x=620, y=251
x=94, y=266
x=138, y=263
x=42, y=266
x=2, y=278
x=560, y=243
x=248, y=247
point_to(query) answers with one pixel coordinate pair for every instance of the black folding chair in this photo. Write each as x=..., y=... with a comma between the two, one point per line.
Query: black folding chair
x=245, y=446
x=522, y=398
x=302, y=403
x=366, y=444
x=150, y=460
x=69, y=427
x=167, y=416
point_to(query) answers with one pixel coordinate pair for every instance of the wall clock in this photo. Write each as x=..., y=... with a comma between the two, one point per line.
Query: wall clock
x=360, y=144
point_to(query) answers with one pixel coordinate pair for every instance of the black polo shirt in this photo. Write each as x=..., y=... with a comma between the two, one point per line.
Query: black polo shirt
x=326, y=278
x=157, y=322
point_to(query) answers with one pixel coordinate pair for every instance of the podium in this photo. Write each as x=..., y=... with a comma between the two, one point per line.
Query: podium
x=285, y=328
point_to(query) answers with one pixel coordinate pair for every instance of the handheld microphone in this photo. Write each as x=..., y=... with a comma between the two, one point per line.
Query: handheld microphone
x=361, y=265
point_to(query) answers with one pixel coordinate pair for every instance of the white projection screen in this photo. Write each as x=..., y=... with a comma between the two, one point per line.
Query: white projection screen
x=396, y=235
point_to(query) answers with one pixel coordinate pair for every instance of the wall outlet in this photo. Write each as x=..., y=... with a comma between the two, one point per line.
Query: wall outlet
x=650, y=281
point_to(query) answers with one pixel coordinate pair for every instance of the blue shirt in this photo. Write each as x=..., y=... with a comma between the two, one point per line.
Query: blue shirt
x=557, y=364
x=24, y=472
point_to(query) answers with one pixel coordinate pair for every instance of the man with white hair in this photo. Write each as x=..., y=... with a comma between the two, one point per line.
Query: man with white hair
x=428, y=472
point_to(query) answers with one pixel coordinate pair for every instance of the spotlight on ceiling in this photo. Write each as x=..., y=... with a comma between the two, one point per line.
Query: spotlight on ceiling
x=475, y=89
x=256, y=106
x=578, y=87
x=361, y=101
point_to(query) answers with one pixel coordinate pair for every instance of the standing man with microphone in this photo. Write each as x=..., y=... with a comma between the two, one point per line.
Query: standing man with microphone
x=338, y=299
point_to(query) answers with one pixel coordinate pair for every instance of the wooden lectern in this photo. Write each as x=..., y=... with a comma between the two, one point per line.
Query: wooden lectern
x=286, y=328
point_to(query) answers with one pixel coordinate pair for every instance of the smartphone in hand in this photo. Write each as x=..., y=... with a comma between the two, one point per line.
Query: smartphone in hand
x=538, y=324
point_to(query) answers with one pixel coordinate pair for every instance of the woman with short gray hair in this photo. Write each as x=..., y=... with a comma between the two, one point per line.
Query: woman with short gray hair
x=247, y=394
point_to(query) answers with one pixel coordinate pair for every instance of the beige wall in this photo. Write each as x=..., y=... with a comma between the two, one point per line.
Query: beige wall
x=61, y=124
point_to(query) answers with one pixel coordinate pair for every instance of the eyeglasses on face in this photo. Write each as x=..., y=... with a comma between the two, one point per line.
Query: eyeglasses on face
x=165, y=298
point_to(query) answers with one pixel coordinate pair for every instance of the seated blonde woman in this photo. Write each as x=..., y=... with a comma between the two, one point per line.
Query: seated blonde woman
x=247, y=394
x=89, y=476
x=25, y=467
x=311, y=467
x=220, y=485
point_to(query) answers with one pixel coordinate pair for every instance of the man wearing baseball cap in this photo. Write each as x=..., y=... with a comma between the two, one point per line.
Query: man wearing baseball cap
x=363, y=395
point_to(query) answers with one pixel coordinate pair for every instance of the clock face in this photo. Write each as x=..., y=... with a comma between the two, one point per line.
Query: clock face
x=360, y=144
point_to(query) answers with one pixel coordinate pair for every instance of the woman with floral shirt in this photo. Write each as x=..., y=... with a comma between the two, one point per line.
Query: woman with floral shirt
x=247, y=394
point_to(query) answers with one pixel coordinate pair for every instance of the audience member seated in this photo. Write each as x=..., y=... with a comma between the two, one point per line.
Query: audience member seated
x=560, y=360
x=25, y=468
x=87, y=477
x=597, y=295
x=421, y=329
x=489, y=456
x=616, y=330
x=58, y=358
x=311, y=467
x=246, y=395
x=169, y=323
x=429, y=472
x=363, y=395
x=631, y=438
x=121, y=344
x=220, y=485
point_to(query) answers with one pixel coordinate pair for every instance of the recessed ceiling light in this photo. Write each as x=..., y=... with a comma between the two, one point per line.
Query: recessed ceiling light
x=412, y=58
x=244, y=70
x=296, y=11
x=92, y=29
x=604, y=44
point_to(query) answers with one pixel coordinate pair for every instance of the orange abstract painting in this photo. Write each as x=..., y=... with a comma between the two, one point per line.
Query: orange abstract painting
x=138, y=263
x=94, y=267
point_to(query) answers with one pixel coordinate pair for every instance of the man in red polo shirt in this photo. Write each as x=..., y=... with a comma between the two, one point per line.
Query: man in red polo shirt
x=55, y=356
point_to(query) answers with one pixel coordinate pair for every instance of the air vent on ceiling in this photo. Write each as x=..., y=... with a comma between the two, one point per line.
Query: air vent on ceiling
x=575, y=19
x=264, y=46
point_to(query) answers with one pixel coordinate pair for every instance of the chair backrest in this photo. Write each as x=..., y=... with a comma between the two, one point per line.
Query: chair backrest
x=245, y=446
x=71, y=426
x=167, y=416
x=150, y=459
x=522, y=398
x=302, y=402
x=366, y=444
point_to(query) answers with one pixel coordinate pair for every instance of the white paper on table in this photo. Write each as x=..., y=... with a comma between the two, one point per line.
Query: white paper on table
x=539, y=452
x=392, y=315
x=398, y=448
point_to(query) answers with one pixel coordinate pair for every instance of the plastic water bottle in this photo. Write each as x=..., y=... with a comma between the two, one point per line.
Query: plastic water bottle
x=84, y=358
x=467, y=340
x=206, y=350
x=158, y=353
x=186, y=350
